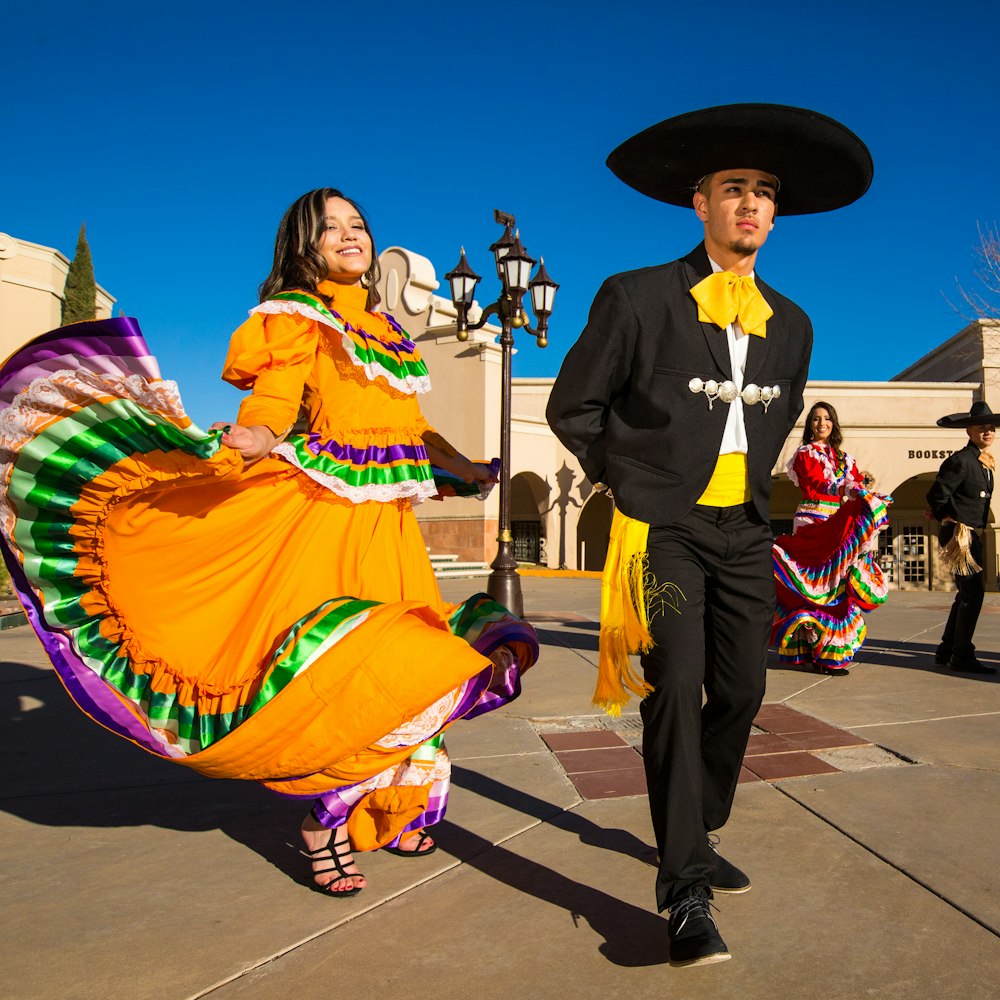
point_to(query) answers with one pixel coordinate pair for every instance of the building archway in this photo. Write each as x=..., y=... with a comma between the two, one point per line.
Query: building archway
x=593, y=531
x=529, y=499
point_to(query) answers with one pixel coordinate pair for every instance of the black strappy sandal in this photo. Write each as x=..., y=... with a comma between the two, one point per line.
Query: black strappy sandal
x=417, y=853
x=332, y=847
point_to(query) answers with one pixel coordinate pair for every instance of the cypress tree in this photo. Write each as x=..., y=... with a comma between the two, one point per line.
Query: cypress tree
x=80, y=297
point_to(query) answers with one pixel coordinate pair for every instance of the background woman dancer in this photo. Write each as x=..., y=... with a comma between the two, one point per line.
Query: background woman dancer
x=825, y=572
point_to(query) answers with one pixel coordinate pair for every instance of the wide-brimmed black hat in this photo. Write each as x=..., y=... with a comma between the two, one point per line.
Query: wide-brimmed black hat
x=979, y=413
x=820, y=164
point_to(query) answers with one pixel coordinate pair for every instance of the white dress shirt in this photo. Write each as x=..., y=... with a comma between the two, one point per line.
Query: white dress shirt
x=734, y=437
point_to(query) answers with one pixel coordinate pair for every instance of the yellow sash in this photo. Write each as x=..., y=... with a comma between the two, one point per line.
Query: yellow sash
x=730, y=482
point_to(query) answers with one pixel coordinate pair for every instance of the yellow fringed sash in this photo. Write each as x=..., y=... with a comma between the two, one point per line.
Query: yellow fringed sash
x=628, y=593
x=957, y=555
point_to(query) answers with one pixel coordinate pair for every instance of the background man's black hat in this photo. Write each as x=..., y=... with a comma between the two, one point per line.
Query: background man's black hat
x=820, y=164
x=979, y=413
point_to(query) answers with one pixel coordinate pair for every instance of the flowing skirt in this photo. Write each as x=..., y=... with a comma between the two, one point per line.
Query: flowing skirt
x=826, y=577
x=244, y=622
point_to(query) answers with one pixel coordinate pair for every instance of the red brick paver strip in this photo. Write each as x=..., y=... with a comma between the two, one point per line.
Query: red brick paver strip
x=833, y=740
x=798, y=764
x=768, y=743
x=590, y=740
x=611, y=784
x=609, y=759
x=746, y=776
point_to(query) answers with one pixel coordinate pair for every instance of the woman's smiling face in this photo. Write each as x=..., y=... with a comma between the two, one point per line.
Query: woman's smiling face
x=345, y=244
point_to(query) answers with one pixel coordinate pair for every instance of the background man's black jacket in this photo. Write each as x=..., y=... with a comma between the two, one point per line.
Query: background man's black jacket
x=962, y=490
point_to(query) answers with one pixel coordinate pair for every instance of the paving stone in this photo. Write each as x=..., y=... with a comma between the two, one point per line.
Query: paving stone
x=611, y=784
x=582, y=741
x=827, y=740
x=607, y=759
x=787, y=765
x=767, y=743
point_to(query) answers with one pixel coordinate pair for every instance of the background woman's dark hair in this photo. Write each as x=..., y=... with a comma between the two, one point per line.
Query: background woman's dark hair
x=836, y=438
x=297, y=260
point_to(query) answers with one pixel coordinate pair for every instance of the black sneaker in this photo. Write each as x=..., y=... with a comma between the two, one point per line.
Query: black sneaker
x=694, y=936
x=942, y=655
x=726, y=877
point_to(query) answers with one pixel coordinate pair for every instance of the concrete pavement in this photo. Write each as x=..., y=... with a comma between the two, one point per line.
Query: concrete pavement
x=126, y=877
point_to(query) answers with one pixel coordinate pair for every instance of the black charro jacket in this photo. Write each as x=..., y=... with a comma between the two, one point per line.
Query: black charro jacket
x=962, y=490
x=621, y=403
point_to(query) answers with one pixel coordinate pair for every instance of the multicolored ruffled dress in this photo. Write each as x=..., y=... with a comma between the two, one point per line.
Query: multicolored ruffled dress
x=825, y=572
x=278, y=621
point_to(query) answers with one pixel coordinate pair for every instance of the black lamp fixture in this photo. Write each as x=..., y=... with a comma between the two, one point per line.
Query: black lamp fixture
x=514, y=265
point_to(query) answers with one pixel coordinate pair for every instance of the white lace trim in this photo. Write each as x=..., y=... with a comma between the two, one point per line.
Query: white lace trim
x=66, y=392
x=824, y=457
x=410, y=384
x=417, y=492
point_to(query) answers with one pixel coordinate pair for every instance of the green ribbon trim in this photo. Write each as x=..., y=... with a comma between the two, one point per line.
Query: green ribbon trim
x=363, y=348
x=357, y=478
x=49, y=475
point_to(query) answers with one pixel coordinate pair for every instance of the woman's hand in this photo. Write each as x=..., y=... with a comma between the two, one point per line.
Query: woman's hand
x=472, y=472
x=459, y=465
x=252, y=443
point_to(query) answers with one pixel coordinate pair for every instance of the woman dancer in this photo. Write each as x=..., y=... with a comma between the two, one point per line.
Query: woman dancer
x=825, y=572
x=247, y=601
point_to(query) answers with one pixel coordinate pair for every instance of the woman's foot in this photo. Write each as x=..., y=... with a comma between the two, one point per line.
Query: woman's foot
x=415, y=843
x=822, y=668
x=329, y=853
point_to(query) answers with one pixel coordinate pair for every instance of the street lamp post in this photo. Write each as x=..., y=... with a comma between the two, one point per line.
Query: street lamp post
x=513, y=266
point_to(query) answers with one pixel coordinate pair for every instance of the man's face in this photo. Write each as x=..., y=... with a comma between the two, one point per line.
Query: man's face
x=738, y=208
x=981, y=435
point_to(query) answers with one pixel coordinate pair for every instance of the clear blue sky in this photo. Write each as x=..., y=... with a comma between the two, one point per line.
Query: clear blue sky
x=179, y=132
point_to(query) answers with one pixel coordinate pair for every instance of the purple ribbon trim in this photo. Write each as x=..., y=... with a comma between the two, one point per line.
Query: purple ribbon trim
x=366, y=456
x=112, y=346
x=406, y=346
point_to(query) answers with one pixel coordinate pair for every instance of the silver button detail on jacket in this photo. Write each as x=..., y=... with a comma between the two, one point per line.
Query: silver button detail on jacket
x=727, y=392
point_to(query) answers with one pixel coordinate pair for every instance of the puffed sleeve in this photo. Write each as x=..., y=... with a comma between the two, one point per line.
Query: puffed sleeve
x=272, y=355
x=854, y=477
x=810, y=475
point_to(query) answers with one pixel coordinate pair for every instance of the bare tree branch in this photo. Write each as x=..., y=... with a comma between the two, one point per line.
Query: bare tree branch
x=985, y=301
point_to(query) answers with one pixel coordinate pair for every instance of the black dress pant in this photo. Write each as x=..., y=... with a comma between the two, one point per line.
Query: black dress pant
x=964, y=615
x=716, y=642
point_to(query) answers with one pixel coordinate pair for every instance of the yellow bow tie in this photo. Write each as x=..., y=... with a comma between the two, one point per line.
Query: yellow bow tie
x=723, y=296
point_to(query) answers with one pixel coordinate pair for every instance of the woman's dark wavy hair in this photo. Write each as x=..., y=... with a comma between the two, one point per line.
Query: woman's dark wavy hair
x=836, y=438
x=297, y=260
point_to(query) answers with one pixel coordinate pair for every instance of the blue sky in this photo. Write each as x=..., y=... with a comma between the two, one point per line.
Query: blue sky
x=180, y=132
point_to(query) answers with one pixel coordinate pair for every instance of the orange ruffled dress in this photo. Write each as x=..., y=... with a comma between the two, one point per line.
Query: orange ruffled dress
x=279, y=622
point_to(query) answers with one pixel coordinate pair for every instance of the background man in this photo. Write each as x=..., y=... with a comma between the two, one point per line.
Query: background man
x=678, y=395
x=960, y=500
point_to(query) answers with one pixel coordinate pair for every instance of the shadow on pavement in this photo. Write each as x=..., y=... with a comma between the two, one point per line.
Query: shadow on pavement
x=547, y=637
x=60, y=769
x=632, y=936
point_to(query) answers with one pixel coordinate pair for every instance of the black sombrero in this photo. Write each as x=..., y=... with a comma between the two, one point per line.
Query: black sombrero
x=979, y=413
x=820, y=164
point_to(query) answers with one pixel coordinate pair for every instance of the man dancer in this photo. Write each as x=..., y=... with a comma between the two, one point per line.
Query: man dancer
x=960, y=500
x=679, y=395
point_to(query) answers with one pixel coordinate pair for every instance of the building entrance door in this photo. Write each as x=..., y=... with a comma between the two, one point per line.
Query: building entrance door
x=904, y=554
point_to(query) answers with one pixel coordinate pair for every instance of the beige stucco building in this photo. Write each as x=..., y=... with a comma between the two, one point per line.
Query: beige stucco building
x=558, y=519
x=32, y=280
